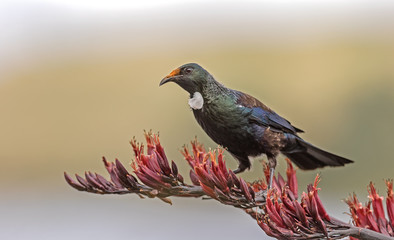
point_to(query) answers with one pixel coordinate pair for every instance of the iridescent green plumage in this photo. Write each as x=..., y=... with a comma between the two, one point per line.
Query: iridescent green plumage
x=244, y=125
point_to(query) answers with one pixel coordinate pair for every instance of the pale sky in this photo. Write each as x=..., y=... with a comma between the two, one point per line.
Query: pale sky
x=32, y=28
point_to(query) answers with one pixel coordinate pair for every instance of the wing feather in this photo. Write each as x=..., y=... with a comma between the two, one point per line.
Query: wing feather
x=261, y=114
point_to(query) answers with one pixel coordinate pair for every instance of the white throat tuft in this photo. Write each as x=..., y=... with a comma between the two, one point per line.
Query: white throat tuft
x=197, y=101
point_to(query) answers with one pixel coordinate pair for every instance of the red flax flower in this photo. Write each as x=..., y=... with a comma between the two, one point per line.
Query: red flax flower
x=390, y=202
x=154, y=177
x=286, y=218
x=278, y=211
x=210, y=172
x=374, y=218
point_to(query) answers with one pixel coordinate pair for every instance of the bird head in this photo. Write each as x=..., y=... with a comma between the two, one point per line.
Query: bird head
x=191, y=77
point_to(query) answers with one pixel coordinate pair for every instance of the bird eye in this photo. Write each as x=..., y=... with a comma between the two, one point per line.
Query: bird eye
x=188, y=70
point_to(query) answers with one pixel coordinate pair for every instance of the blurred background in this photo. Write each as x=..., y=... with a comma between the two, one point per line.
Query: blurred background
x=79, y=79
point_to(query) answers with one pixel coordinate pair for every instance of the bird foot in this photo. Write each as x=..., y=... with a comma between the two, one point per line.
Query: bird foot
x=241, y=168
x=236, y=171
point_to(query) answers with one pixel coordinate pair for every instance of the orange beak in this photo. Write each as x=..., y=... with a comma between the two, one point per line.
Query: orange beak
x=172, y=74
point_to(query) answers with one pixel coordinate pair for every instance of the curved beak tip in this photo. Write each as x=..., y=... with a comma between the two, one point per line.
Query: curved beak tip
x=164, y=81
x=170, y=76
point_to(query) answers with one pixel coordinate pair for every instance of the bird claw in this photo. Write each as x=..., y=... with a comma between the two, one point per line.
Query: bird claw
x=236, y=171
x=241, y=168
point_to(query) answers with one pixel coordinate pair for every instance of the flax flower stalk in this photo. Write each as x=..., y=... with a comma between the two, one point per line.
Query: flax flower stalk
x=278, y=212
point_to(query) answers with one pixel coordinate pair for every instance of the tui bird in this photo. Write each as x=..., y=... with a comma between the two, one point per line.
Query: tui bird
x=244, y=125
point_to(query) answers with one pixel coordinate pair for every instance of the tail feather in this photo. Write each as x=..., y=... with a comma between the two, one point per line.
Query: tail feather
x=306, y=156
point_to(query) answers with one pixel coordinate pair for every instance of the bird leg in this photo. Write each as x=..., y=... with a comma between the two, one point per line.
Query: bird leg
x=272, y=165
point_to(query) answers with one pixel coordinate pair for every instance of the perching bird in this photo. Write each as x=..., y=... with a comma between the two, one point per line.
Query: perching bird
x=244, y=125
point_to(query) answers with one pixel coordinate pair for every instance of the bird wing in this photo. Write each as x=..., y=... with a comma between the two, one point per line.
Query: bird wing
x=261, y=114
